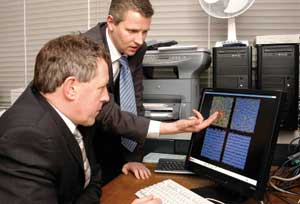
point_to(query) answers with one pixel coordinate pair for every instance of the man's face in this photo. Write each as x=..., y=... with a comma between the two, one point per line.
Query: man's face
x=129, y=34
x=92, y=95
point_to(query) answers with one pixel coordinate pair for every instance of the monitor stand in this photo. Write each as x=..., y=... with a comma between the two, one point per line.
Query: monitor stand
x=218, y=192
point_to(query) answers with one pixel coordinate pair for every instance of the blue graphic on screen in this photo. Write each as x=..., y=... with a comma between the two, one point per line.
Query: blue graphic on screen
x=245, y=114
x=213, y=144
x=236, y=150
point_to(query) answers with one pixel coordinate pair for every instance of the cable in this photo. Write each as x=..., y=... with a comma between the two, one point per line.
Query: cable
x=215, y=201
x=296, y=168
x=281, y=190
x=285, y=186
x=283, y=179
x=281, y=167
x=290, y=144
x=293, y=186
x=288, y=171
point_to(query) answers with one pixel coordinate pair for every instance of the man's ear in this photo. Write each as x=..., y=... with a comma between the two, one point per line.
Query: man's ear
x=110, y=22
x=70, y=87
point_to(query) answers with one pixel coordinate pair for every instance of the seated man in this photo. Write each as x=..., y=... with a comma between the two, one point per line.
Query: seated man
x=46, y=151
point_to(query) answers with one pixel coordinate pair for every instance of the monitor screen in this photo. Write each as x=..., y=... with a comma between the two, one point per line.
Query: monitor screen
x=236, y=150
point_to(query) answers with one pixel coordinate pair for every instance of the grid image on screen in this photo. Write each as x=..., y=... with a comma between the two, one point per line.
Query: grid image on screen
x=213, y=144
x=245, y=114
x=236, y=150
x=223, y=105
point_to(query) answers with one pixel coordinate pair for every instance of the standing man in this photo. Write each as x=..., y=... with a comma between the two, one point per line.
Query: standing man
x=123, y=35
x=46, y=150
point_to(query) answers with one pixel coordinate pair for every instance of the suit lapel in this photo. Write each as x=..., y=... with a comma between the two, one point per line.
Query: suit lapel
x=132, y=65
x=72, y=144
x=86, y=133
x=64, y=130
x=102, y=28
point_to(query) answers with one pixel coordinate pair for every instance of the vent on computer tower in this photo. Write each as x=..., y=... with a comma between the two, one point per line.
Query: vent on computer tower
x=232, y=67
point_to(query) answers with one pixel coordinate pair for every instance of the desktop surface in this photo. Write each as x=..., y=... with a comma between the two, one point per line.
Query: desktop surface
x=122, y=189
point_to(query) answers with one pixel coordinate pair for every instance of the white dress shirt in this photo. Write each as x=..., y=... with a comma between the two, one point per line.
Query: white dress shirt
x=154, y=126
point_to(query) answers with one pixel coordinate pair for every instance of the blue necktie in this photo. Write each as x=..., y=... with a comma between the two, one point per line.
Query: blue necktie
x=127, y=97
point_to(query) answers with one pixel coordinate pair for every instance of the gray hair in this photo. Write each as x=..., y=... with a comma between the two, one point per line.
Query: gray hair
x=69, y=55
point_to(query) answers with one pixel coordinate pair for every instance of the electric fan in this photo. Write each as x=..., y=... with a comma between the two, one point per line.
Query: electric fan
x=228, y=9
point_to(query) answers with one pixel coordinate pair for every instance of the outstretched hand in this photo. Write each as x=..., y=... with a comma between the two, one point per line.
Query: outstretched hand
x=192, y=124
x=139, y=170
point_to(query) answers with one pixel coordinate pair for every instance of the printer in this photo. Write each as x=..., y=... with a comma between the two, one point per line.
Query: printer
x=172, y=81
x=171, y=90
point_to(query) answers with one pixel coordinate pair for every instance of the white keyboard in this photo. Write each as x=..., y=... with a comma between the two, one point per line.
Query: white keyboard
x=171, y=192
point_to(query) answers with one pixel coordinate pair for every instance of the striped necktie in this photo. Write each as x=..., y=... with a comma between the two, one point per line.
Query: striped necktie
x=86, y=164
x=127, y=97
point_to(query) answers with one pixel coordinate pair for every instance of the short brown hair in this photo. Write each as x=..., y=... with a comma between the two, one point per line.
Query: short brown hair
x=69, y=55
x=119, y=7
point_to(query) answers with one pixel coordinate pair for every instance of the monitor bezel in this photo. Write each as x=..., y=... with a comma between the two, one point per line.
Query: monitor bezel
x=231, y=183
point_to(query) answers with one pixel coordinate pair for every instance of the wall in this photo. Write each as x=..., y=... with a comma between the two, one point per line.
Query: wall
x=25, y=25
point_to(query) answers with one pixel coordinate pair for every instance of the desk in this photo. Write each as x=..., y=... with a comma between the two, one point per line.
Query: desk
x=121, y=190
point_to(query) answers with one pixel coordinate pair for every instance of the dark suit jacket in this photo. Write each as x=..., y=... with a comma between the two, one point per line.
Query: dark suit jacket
x=40, y=160
x=117, y=123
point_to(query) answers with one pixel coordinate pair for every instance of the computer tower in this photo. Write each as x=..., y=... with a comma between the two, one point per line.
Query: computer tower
x=278, y=69
x=232, y=67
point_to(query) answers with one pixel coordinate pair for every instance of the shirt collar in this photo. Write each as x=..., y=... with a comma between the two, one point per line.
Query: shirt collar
x=69, y=123
x=114, y=53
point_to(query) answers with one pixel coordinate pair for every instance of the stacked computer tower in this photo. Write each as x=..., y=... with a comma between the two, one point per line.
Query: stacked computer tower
x=278, y=69
x=232, y=67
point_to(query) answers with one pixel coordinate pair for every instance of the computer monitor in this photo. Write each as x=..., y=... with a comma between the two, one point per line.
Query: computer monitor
x=236, y=150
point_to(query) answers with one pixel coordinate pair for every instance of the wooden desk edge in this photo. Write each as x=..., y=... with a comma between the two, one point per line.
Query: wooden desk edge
x=122, y=189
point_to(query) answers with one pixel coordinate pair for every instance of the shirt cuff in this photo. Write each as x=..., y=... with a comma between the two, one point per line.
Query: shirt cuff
x=153, y=130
